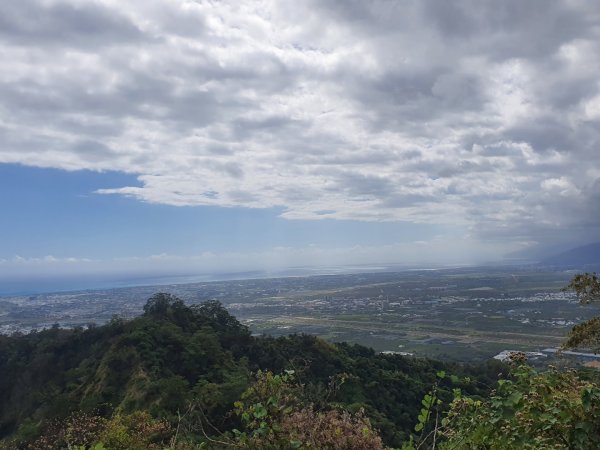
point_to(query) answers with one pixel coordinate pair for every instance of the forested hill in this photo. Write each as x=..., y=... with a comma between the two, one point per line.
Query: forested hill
x=177, y=358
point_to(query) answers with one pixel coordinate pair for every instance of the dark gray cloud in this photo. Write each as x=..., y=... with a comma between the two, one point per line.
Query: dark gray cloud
x=64, y=24
x=479, y=113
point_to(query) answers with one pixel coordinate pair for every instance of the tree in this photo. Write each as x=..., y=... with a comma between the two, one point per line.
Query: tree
x=586, y=334
x=529, y=410
x=161, y=304
x=276, y=416
x=586, y=286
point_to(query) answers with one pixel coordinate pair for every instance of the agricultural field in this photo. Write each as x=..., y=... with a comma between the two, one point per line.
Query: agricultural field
x=462, y=315
x=466, y=314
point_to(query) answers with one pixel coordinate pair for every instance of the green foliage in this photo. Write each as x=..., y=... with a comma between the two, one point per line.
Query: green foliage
x=586, y=334
x=266, y=402
x=586, y=286
x=187, y=365
x=429, y=421
x=276, y=417
x=530, y=410
x=27, y=431
x=98, y=446
x=137, y=431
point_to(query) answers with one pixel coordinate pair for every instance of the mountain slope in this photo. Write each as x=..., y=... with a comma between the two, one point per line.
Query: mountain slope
x=586, y=255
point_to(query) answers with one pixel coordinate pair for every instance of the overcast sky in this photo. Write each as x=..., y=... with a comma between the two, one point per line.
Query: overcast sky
x=211, y=134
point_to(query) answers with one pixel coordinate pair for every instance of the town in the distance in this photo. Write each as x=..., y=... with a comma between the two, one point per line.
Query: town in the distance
x=462, y=314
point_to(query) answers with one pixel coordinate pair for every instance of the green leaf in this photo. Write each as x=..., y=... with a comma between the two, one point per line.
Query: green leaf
x=427, y=401
x=513, y=399
x=260, y=411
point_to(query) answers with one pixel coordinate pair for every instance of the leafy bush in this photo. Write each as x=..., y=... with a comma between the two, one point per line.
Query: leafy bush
x=277, y=418
x=586, y=334
x=137, y=431
x=79, y=431
x=530, y=410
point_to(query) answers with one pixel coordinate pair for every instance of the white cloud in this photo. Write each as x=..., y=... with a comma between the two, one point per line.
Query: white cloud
x=462, y=112
x=48, y=260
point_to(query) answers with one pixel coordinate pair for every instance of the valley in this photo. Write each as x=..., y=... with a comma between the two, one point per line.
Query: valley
x=463, y=314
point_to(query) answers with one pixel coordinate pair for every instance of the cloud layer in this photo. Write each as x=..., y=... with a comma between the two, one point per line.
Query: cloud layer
x=482, y=113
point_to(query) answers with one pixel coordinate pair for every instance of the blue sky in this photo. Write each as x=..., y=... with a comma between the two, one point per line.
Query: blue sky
x=185, y=136
x=55, y=212
x=56, y=224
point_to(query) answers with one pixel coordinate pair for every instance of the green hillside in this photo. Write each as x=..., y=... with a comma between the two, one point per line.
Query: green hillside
x=177, y=358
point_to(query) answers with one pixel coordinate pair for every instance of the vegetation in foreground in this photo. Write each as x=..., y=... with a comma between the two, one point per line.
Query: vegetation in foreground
x=187, y=365
x=180, y=377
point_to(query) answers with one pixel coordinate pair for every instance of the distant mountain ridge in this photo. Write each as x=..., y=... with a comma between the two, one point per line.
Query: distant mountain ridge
x=586, y=255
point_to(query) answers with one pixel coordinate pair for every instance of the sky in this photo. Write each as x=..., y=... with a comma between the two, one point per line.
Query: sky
x=163, y=137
